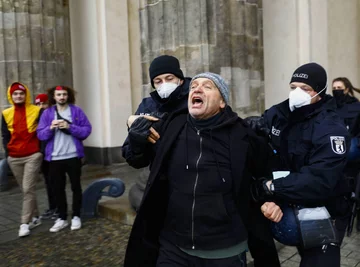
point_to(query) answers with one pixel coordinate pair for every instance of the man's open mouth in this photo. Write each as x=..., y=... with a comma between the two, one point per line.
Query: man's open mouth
x=196, y=101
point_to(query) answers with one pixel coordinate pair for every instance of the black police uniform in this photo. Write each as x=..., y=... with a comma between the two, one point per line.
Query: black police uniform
x=348, y=108
x=311, y=142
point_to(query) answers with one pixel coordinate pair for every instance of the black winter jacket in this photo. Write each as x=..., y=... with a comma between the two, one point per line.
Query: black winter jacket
x=311, y=142
x=247, y=154
x=348, y=108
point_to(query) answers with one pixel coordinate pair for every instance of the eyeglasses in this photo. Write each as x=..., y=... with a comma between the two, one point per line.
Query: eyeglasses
x=338, y=88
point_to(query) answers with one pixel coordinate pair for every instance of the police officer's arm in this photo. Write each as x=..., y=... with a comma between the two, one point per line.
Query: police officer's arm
x=316, y=181
x=259, y=164
x=141, y=156
x=5, y=134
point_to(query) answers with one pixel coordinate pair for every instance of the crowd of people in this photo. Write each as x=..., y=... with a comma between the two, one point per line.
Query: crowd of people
x=46, y=136
x=215, y=185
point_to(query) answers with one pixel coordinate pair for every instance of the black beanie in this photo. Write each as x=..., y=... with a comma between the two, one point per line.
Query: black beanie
x=312, y=74
x=165, y=64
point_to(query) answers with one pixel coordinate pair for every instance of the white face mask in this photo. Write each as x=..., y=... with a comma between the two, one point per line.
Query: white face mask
x=299, y=98
x=165, y=89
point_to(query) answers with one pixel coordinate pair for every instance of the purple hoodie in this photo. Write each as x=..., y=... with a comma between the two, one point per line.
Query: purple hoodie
x=80, y=129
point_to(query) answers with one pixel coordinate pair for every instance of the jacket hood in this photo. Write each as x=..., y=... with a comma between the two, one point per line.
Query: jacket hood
x=27, y=94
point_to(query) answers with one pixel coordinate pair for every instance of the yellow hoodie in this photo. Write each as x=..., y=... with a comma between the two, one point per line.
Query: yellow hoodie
x=22, y=121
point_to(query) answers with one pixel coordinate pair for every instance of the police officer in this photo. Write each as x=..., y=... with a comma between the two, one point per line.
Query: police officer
x=310, y=142
x=348, y=108
x=170, y=94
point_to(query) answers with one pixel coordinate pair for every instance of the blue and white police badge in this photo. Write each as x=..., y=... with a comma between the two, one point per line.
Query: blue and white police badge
x=338, y=144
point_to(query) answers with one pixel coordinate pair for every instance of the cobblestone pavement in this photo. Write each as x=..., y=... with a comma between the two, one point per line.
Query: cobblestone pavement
x=101, y=242
x=350, y=253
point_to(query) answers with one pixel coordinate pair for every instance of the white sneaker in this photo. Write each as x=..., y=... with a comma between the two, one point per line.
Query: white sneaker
x=75, y=223
x=59, y=225
x=24, y=230
x=36, y=221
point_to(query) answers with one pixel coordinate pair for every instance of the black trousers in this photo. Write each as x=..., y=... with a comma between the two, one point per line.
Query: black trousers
x=263, y=250
x=260, y=240
x=50, y=188
x=325, y=258
x=58, y=170
x=171, y=256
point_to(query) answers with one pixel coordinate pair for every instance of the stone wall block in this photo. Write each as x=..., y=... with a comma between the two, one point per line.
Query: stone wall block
x=49, y=8
x=251, y=17
x=239, y=51
x=25, y=73
x=36, y=44
x=2, y=54
x=24, y=49
x=35, y=6
x=192, y=21
x=11, y=51
x=237, y=15
x=21, y=6
x=12, y=72
x=49, y=22
x=8, y=6
x=3, y=86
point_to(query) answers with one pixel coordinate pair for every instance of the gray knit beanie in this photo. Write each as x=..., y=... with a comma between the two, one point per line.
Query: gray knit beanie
x=219, y=82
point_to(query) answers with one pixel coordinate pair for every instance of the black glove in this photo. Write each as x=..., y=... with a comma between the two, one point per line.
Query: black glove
x=259, y=190
x=257, y=124
x=157, y=125
x=138, y=133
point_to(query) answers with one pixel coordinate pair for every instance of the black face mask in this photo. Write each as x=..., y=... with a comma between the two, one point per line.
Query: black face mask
x=339, y=96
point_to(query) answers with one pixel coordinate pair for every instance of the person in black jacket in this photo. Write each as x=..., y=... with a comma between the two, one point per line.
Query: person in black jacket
x=195, y=209
x=311, y=143
x=348, y=108
x=41, y=100
x=172, y=90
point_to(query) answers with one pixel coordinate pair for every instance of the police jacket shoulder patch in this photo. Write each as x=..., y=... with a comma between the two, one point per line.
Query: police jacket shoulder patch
x=338, y=144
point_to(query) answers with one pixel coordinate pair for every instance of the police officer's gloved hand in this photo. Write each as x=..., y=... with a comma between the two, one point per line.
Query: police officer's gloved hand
x=157, y=125
x=259, y=190
x=257, y=124
x=138, y=134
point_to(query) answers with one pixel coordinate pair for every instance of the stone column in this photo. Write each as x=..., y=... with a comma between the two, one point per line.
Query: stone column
x=106, y=70
x=34, y=44
x=222, y=36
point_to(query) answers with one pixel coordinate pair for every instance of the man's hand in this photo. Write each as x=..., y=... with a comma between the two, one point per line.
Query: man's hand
x=272, y=211
x=64, y=125
x=257, y=124
x=154, y=135
x=54, y=124
x=132, y=118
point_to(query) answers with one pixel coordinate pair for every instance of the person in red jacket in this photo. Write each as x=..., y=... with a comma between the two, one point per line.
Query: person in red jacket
x=22, y=148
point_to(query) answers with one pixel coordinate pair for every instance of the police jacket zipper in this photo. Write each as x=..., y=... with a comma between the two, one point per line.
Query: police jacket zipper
x=194, y=191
